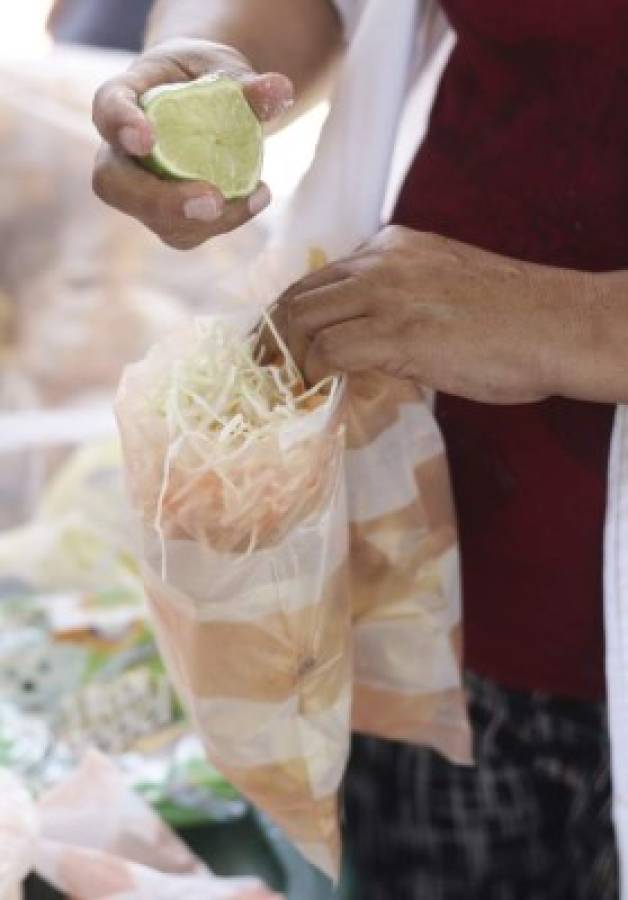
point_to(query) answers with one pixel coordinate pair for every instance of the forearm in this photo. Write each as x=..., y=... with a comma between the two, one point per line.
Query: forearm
x=298, y=38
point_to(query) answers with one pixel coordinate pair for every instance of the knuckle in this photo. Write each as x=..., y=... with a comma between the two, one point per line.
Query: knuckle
x=102, y=102
x=297, y=318
x=99, y=98
x=233, y=217
x=101, y=180
x=325, y=345
x=294, y=314
x=158, y=210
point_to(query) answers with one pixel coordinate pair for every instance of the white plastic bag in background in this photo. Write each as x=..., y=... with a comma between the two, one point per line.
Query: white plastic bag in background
x=19, y=826
x=22, y=469
x=82, y=291
x=91, y=837
x=88, y=290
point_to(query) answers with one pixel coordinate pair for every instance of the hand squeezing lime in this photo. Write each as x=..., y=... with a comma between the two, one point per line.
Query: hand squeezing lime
x=205, y=130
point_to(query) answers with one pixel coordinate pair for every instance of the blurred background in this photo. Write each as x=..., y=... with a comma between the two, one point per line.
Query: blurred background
x=83, y=291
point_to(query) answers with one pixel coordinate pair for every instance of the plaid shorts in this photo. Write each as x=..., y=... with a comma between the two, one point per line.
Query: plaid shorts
x=531, y=822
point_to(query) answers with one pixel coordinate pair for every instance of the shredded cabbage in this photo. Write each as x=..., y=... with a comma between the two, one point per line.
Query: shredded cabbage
x=224, y=410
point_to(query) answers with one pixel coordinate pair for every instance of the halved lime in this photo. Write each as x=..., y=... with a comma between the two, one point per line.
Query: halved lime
x=205, y=131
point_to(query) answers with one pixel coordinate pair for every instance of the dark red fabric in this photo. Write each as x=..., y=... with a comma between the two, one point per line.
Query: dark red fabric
x=527, y=155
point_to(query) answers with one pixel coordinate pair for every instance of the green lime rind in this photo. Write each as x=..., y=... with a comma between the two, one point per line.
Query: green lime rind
x=205, y=131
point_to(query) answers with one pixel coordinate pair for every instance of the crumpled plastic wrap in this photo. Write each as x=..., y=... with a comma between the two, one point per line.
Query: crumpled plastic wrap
x=91, y=837
x=257, y=642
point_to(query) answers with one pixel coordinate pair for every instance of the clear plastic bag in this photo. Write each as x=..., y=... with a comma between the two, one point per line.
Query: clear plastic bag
x=252, y=613
x=262, y=584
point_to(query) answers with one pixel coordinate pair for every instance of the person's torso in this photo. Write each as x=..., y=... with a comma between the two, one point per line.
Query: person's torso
x=527, y=155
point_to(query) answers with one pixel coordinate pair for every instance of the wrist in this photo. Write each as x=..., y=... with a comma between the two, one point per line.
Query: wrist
x=591, y=364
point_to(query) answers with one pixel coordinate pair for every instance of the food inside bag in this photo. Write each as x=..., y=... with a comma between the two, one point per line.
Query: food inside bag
x=236, y=473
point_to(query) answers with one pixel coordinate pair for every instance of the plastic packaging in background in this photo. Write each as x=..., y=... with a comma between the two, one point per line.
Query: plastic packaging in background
x=257, y=640
x=81, y=292
x=90, y=836
x=89, y=290
x=34, y=443
x=78, y=665
x=22, y=470
x=19, y=828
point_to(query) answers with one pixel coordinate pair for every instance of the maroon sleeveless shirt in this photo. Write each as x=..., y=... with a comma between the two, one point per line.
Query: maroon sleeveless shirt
x=527, y=155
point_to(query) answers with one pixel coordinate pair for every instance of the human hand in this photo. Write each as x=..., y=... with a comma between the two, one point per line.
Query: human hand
x=183, y=214
x=455, y=318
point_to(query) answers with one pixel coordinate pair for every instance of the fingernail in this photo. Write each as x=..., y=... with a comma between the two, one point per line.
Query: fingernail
x=207, y=208
x=273, y=107
x=132, y=141
x=259, y=200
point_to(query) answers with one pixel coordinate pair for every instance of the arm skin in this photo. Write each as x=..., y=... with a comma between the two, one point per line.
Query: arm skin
x=462, y=321
x=187, y=39
x=295, y=37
